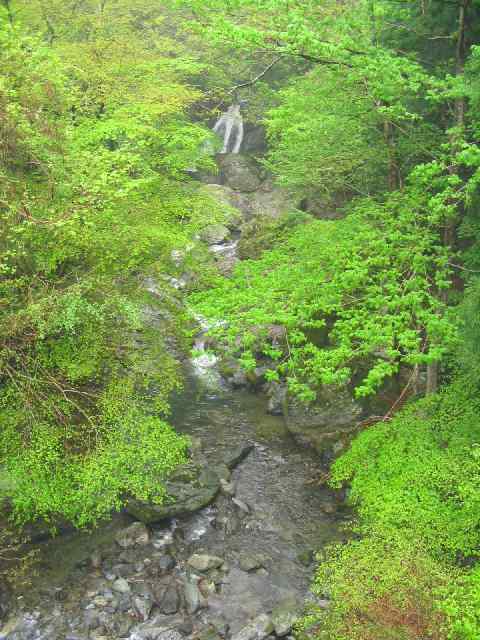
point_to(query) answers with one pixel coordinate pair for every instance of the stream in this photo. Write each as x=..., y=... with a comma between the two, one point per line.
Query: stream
x=88, y=586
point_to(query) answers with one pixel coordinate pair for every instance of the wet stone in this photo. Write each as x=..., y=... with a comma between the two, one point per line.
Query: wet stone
x=252, y=562
x=142, y=607
x=121, y=585
x=204, y=562
x=166, y=563
x=167, y=599
x=259, y=628
x=136, y=534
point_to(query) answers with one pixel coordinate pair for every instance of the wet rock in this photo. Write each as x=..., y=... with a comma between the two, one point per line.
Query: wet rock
x=121, y=586
x=167, y=597
x=193, y=597
x=204, y=562
x=136, y=534
x=215, y=234
x=171, y=601
x=195, y=487
x=228, y=488
x=142, y=607
x=240, y=172
x=277, y=399
x=259, y=628
x=123, y=570
x=284, y=618
x=96, y=560
x=242, y=506
x=186, y=627
x=166, y=563
x=255, y=139
x=237, y=455
x=252, y=562
x=331, y=419
x=223, y=472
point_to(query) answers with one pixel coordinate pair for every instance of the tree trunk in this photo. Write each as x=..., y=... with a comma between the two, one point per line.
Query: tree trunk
x=432, y=378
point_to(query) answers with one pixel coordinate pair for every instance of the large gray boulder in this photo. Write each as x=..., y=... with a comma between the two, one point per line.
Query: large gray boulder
x=240, y=172
x=326, y=425
x=191, y=488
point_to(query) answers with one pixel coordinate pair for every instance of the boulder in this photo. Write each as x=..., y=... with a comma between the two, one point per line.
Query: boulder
x=323, y=425
x=167, y=598
x=277, y=399
x=259, y=628
x=252, y=562
x=136, y=534
x=192, y=487
x=121, y=586
x=240, y=172
x=142, y=607
x=284, y=618
x=204, y=562
x=237, y=455
x=215, y=234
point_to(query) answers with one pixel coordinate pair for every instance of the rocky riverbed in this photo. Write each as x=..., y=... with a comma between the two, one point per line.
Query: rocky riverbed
x=239, y=568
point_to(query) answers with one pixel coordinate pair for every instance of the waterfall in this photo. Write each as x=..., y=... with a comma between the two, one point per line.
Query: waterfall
x=230, y=126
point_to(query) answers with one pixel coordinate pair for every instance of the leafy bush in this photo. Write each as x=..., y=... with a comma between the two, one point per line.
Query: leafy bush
x=415, y=483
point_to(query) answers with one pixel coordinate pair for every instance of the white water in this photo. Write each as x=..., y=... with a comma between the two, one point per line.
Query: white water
x=230, y=126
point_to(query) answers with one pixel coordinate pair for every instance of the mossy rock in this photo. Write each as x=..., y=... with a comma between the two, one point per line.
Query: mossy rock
x=191, y=488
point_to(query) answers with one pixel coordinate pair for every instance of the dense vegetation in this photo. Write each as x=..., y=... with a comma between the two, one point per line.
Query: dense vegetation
x=372, y=109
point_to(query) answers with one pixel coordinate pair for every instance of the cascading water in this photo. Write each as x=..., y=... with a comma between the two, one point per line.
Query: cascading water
x=230, y=125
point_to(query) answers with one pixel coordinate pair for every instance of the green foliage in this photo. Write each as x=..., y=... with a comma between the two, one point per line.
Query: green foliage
x=133, y=456
x=367, y=279
x=381, y=587
x=415, y=482
x=420, y=473
x=96, y=139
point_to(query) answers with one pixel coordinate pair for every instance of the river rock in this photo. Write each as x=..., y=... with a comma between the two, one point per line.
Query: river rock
x=277, y=399
x=204, y=562
x=237, y=455
x=136, y=534
x=189, y=489
x=215, y=234
x=240, y=172
x=228, y=488
x=259, y=628
x=121, y=586
x=167, y=597
x=252, y=562
x=283, y=618
x=142, y=607
x=332, y=418
x=193, y=597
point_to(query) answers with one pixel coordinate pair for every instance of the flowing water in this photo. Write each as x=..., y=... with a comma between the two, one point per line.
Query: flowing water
x=230, y=126
x=278, y=515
